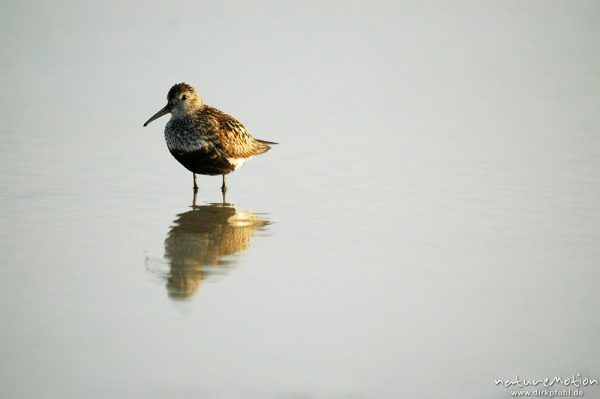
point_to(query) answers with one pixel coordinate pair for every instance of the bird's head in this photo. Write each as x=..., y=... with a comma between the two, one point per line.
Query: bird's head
x=182, y=99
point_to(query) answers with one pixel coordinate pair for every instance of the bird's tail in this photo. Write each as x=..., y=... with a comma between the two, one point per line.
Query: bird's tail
x=267, y=142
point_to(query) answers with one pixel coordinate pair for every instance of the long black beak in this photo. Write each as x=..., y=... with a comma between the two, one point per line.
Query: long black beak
x=160, y=113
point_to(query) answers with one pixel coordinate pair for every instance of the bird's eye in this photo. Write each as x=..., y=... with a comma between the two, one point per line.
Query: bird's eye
x=184, y=97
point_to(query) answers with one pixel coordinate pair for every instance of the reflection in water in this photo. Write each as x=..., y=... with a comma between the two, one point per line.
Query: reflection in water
x=199, y=240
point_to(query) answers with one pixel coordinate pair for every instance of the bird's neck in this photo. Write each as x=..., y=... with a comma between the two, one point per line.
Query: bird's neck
x=187, y=112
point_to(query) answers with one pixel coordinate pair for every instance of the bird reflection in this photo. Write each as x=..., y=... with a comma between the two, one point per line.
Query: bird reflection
x=199, y=241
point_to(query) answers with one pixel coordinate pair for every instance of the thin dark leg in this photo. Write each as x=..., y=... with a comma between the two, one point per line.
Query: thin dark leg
x=224, y=186
x=195, y=182
x=195, y=198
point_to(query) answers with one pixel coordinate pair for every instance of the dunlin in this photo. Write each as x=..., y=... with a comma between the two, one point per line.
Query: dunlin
x=203, y=139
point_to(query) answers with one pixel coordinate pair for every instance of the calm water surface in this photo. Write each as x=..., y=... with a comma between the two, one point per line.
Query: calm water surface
x=429, y=222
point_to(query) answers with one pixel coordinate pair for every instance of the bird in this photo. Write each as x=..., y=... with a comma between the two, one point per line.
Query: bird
x=203, y=139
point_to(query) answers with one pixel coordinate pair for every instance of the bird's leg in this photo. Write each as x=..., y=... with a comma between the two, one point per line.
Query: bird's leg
x=195, y=182
x=224, y=186
x=194, y=200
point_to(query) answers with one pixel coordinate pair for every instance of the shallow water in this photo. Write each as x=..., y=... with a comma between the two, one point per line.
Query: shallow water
x=429, y=222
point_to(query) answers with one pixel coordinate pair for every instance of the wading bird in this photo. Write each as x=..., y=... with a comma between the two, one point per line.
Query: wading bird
x=203, y=139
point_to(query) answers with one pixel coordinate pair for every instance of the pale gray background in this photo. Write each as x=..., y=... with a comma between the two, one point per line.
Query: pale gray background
x=434, y=202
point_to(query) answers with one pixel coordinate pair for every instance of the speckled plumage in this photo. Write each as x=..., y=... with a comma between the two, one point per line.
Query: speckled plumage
x=216, y=140
x=202, y=138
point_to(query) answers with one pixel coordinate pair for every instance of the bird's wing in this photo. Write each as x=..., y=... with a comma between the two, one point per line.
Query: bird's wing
x=235, y=139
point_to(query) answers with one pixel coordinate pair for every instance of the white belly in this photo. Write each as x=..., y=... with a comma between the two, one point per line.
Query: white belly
x=237, y=162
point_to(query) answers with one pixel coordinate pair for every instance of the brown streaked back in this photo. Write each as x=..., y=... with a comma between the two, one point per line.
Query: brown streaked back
x=235, y=140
